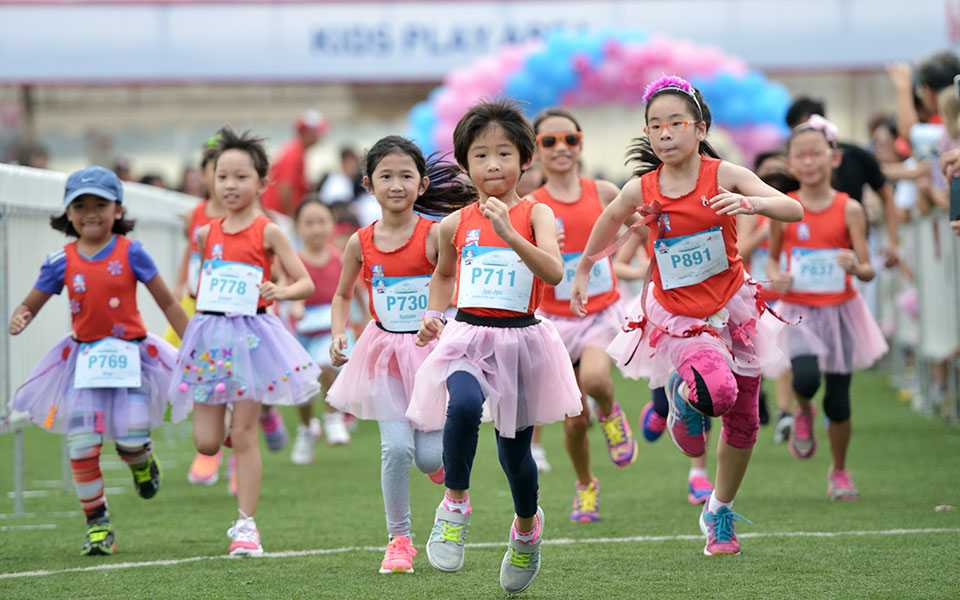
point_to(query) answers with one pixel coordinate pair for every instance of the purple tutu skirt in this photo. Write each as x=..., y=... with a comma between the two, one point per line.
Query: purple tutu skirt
x=524, y=372
x=224, y=359
x=593, y=330
x=844, y=337
x=745, y=339
x=377, y=381
x=53, y=403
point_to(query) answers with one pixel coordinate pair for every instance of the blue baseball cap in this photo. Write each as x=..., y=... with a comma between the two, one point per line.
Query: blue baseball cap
x=98, y=181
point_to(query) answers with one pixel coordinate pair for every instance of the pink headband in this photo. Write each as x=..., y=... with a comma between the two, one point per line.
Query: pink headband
x=671, y=82
x=817, y=122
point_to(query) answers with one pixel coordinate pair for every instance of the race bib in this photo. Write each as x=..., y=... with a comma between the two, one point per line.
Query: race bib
x=193, y=272
x=229, y=287
x=316, y=318
x=494, y=278
x=108, y=363
x=400, y=301
x=817, y=271
x=601, y=277
x=690, y=259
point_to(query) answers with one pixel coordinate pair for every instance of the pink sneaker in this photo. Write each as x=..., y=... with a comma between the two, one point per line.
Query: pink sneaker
x=700, y=489
x=586, y=503
x=274, y=429
x=840, y=487
x=718, y=527
x=437, y=476
x=205, y=470
x=399, y=556
x=652, y=425
x=246, y=538
x=621, y=445
x=803, y=442
x=232, y=475
x=684, y=424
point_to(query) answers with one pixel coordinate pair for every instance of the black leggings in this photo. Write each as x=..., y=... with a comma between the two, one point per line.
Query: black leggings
x=836, y=396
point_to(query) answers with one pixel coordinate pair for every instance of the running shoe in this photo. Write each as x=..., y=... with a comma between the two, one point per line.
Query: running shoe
x=521, y=563
x=246, y=538
x=232, y=475
x=205, y=470
x=540, y=457
x=447, y=539
x=684, y=424
x=100, y=540
x=718, y=527
x=303, y=452
x=586, y=502
x=840, y=487
x=147, y=477
x=274, y=430
x=782, y=427
x=651, y=424
x=621, y=445
x=399, y=556
x=700, y=489
x=803, y=441
x=335, y=429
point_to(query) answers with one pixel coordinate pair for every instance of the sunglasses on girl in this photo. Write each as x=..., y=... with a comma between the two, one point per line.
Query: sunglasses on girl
x=674, y=126
x=572, y=139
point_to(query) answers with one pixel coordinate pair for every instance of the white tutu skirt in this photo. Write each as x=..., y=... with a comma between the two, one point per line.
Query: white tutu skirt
x=377, y=381
x=54, y=404
x=745, y=339
x=224, y=359
x=524, y=372
x=844, y=337
x=593, y=330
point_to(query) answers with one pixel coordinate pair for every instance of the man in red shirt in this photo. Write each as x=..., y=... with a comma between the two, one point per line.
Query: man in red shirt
x=287, y=178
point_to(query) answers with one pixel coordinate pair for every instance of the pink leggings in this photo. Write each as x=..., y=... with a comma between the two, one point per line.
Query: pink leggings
x=715, y=390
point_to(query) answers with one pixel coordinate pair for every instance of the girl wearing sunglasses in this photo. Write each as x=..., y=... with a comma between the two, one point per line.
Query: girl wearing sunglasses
x=577, y=202
x=697, y=329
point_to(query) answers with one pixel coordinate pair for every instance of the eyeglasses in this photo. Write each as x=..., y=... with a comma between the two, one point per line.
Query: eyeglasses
x=572, y=139
x=674, y=126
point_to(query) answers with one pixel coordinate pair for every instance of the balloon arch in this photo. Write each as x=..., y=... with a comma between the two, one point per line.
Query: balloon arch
x=573, y=69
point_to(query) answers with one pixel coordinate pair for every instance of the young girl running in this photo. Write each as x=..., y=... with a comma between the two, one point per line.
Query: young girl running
x=576, y=203
x=233, y=351
x=396, y=256
x=108, y=378
x=836, y=335
x=698, y=333
x=497, y=254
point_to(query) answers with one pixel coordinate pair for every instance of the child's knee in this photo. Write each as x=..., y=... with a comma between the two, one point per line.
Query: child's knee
x=711, y=384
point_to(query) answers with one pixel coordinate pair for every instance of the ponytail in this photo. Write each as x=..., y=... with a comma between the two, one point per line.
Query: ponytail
x=449, y=189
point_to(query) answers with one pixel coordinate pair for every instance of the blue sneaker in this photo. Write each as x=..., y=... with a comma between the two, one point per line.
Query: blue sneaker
x=684, y=424
x=651, y=424
x=718, y=527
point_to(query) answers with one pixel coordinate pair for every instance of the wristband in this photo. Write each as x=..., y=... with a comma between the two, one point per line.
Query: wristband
x=437, y=315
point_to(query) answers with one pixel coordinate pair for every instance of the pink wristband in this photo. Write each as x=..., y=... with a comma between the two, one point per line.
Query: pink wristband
x=436, y=314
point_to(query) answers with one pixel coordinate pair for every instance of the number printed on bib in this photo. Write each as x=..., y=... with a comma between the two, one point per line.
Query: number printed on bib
x=400, y=301
x=193, y=272
x=108, y=363
x=690, y=259
x=601, y=277
x=817, y=271
x=229, y=287
x=494, y=278
x=316, y=318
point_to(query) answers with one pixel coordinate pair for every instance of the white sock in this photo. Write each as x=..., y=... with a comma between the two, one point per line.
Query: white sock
x=713, y=505
x=694, y=472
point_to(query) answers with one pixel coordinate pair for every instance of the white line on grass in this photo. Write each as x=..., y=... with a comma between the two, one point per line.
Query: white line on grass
x=555, y=542
x=26, y=527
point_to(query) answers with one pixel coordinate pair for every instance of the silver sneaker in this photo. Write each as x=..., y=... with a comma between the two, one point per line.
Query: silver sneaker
x=447, y=539
x=521, y=563
x=781, y=429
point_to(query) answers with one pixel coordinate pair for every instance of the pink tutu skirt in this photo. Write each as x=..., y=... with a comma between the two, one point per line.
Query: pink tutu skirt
x=745, y=339
x=525, y=374
x=377, y=381
x=593, y=330
x=844, y=337
x=223, y=359
x=54, y=404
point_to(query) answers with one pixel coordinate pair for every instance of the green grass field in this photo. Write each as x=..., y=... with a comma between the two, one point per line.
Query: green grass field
x=324, y=529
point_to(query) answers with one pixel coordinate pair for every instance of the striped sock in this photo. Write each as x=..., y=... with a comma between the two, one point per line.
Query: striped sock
x=87, y=478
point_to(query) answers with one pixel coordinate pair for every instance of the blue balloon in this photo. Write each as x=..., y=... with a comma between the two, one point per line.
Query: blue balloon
x=422, y=117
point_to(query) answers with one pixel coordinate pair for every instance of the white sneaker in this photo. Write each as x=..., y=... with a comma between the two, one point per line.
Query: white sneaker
x=540, y=457
x=305, y=442
x=335, y=429
x=246, y=538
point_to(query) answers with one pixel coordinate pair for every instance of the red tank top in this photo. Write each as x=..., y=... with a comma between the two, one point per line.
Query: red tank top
x=103, y=294
x=480, y=232
x=576, y=219
x=198, y=218
x=409, y=260
x=825, y=229
x=325, y=278
x=245, y=246
x=687, y=215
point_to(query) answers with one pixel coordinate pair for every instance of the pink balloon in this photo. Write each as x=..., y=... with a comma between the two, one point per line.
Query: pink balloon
x=443, y=135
